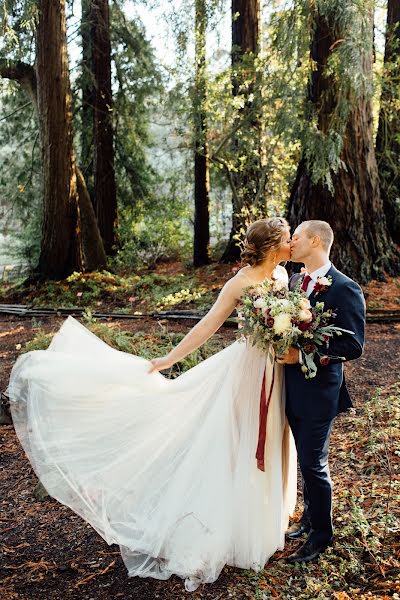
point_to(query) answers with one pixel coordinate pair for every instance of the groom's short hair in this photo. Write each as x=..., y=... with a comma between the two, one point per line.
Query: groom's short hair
x=323, y=230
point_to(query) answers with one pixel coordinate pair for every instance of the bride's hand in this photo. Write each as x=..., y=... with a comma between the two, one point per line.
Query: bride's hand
x=159, y=364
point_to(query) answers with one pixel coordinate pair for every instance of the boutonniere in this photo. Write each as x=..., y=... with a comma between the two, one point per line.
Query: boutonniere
x=323, y=284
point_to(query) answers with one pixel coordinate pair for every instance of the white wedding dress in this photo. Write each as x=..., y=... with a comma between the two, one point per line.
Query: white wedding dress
x=164, y=468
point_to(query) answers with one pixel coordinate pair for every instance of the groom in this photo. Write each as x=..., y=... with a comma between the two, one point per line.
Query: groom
x=312, y=404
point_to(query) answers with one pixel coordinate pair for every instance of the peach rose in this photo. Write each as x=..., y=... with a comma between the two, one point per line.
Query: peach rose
x=305, y=315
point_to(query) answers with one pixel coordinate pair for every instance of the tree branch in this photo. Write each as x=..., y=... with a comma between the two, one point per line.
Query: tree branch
x=236, y=201
x=14, y=112
x=23, y=73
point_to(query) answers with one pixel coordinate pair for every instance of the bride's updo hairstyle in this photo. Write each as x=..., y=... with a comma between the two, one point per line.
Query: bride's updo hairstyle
x=261, y=238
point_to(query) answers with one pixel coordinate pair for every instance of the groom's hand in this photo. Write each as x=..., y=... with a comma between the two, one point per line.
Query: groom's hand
x=291, y=357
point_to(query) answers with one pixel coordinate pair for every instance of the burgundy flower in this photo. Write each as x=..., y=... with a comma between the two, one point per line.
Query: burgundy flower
x=318, y=288
x=309, y=348
x=269, y=321
x=324, y=360
x=304, y=326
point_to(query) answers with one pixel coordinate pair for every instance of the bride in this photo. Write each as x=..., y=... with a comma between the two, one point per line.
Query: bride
x=167, y=468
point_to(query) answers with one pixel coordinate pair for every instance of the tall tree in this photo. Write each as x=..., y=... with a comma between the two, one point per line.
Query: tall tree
x=62, y=250
x=352, y=204
x=201, y=160
x=69, y=241
x=87, y=86
x=247, y=175
x=105, y=188
x=388, y=137
x=137, y=84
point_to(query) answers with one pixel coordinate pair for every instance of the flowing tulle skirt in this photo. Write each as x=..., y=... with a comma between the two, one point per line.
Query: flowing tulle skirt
x=164, y=468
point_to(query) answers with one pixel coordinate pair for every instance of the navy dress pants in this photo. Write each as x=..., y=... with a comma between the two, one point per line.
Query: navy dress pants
x=312, y=444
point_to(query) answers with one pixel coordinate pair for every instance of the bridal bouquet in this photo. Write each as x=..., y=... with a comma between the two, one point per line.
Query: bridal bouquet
x=274, y=318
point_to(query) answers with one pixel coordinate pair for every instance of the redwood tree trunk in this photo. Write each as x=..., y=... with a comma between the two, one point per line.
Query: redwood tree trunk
x=388, y=138
x=62, y=251
x=245, y=28
x=355, y=212
x=92, y=244
x=201, y=162
x=105, y=189
x=87, y=86
x=245, y=47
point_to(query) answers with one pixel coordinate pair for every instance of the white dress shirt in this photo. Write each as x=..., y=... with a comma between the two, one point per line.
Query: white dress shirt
x=321, y=272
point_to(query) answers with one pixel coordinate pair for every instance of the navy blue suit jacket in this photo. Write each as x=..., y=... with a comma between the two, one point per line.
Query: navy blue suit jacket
x=326, y=394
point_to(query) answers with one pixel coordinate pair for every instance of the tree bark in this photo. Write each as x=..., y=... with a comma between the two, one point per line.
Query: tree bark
x=94, y=256
x=388, y=137
x=87, y=86
x=245, y=28
x=201, y=244
x=245, y=48
x=105, y=189
x=62, y=251
x=362, y=248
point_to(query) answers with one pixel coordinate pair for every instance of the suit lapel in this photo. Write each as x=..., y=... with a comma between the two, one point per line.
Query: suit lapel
x=314, y=298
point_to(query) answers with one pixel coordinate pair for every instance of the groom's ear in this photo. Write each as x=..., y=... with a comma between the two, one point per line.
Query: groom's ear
x=315, y=241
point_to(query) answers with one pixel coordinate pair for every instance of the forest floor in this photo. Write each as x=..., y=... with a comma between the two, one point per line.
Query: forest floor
x=170, y=285
x=48, y=552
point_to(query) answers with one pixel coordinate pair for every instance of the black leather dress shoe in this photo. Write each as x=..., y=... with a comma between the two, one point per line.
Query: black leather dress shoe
x=308, y=552
x=296, y=530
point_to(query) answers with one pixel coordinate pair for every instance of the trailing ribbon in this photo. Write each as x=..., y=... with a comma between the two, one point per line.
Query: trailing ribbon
x=262, y=426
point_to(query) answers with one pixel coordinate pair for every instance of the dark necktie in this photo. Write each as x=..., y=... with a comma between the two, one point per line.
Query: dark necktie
x=305, y=283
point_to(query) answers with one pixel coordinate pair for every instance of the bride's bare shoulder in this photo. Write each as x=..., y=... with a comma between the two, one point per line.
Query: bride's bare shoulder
x=243, y=272
x=241, y=278
x=238, y=282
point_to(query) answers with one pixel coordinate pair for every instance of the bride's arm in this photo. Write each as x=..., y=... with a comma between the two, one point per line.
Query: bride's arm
x=204, y=329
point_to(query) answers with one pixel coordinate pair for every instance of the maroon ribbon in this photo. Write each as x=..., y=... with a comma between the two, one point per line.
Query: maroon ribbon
x=262, y=424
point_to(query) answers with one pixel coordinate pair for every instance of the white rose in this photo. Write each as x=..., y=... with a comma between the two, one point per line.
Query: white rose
x=304, y=303
x=259, y=303
x=282, y=323
x=305, y=315
x=324, y=281
x=285, y=303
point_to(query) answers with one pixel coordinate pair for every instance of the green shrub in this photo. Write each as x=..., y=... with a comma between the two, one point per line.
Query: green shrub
x=163, y=233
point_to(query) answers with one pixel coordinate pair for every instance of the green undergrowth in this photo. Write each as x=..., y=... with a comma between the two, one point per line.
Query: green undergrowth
x=147, y=345
x=113, y=292
x=162, y=292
